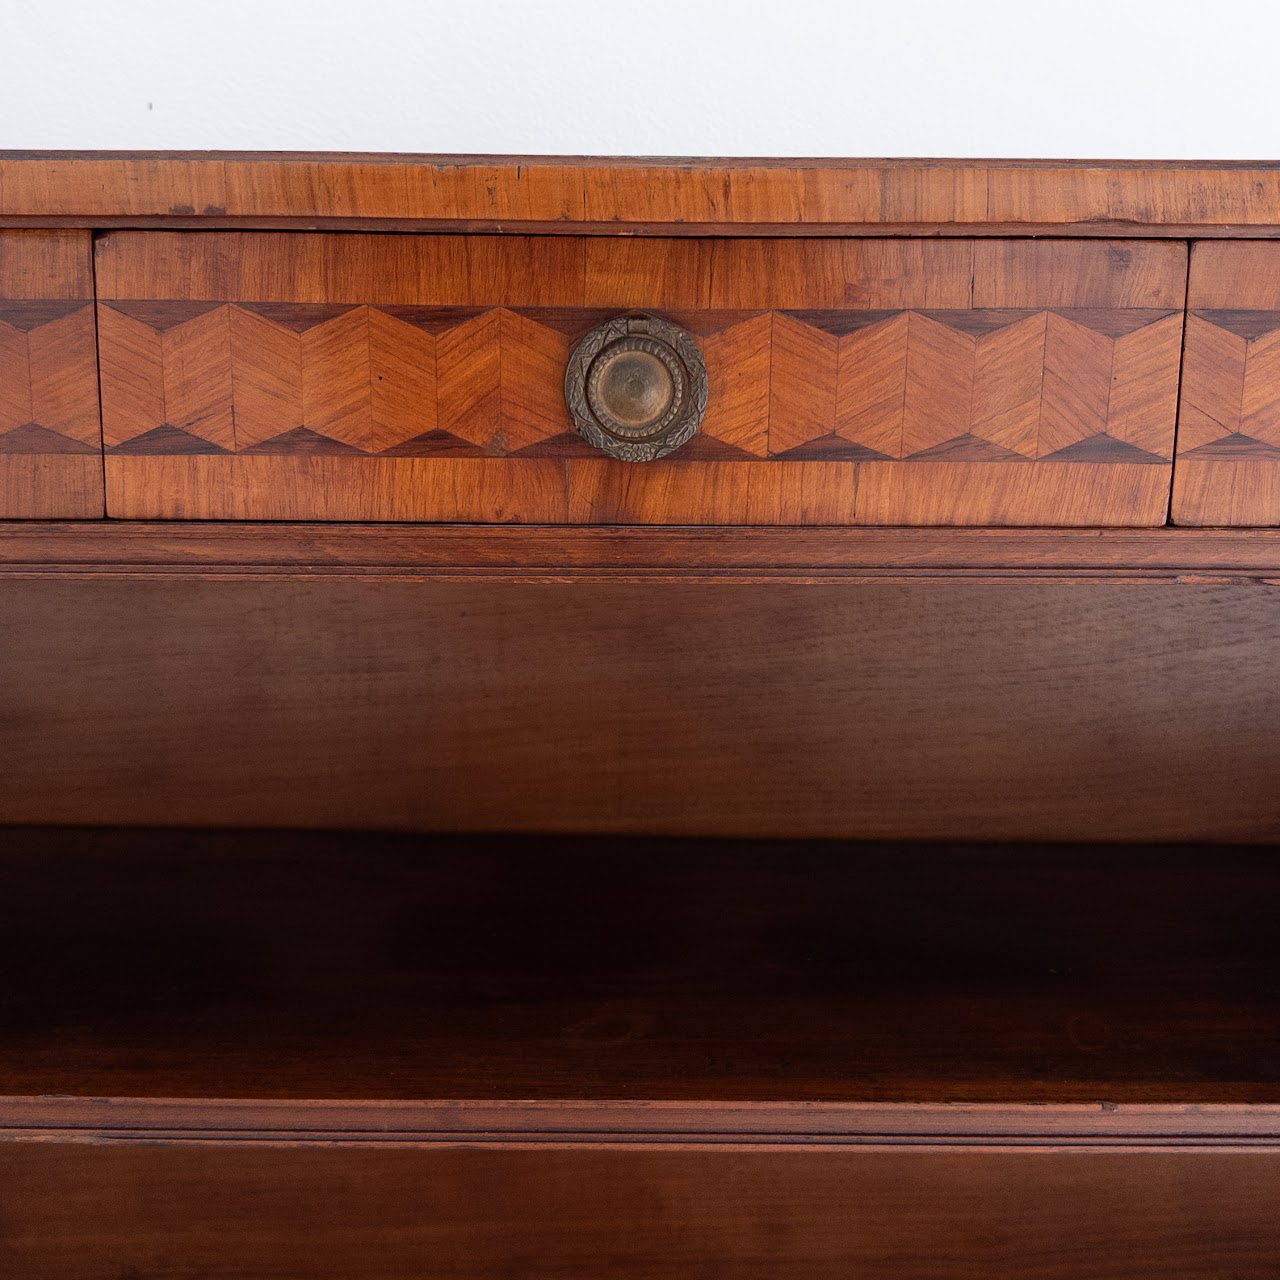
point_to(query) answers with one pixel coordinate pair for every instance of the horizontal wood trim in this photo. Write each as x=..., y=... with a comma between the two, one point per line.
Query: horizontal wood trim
x=681, y=196
x=240, y=487
x=1035, y=493
x=535, y=552
x=577, y=1123
x=586, y=491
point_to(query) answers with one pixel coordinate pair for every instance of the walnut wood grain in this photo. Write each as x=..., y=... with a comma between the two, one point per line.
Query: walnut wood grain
x=50, y=439
x=1228, y=463
x=251, y=376
x=619, y=195
x=864, y=707
x=81, y=1213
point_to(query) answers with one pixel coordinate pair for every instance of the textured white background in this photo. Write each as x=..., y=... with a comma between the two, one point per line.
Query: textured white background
x=648, y=77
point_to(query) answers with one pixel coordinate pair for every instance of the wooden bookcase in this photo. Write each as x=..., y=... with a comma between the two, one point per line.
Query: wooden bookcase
x=844, y=846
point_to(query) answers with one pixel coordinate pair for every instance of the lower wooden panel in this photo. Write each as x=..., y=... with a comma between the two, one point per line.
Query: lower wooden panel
x=103, y=1213
x=939, y=708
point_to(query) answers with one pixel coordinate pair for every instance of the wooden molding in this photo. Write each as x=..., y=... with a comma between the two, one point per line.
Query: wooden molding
x=628, y=195
x=549, y=553
x=573, y=1124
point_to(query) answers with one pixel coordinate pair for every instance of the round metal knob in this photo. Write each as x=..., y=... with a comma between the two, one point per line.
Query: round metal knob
x=636, y=387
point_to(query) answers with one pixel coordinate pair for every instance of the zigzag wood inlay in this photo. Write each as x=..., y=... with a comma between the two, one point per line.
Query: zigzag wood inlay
x=48, y=378
x=870, y=378
x=977, y=386
x=982, y=387
x=736, y=351
x=50, y=435
x=374, y=380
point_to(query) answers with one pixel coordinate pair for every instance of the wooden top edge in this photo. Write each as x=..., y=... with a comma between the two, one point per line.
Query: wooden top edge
x=679, y=195
x=558, y=552
x=578, y=1123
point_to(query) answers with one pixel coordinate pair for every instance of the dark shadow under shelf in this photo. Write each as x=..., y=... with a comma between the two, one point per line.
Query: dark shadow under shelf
x=303, y=965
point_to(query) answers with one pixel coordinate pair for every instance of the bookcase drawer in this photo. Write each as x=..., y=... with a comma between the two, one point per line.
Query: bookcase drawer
x=318, y=376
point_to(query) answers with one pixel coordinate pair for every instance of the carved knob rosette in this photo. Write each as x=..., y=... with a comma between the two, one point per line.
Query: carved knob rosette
x=636, y=388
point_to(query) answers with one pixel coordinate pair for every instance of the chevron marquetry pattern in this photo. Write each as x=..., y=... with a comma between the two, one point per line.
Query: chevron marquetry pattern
x=48, y=378
x=1228, y=470
x=290, y=378
x=1231, y=386
x=959, y=386
x=975, y=386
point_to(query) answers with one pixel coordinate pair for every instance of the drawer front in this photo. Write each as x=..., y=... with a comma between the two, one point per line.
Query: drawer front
x=1228, y=466
x=50, y=443
x=376, y=377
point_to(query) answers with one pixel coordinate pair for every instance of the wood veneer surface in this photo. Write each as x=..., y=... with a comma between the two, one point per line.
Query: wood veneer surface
x=87, y=1213
x=680, y=196
x=942, y=708
x=296, y=965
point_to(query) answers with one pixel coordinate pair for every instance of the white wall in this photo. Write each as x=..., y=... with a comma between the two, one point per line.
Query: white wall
x=1013, y=78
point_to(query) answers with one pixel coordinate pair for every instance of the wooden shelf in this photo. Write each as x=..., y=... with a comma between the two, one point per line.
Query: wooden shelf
x=319, y=966
x=325, y=1056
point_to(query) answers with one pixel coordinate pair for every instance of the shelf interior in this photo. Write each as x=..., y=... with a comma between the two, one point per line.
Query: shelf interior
x=283, y=965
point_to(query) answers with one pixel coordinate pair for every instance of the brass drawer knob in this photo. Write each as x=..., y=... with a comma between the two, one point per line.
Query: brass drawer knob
x=636, y=387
